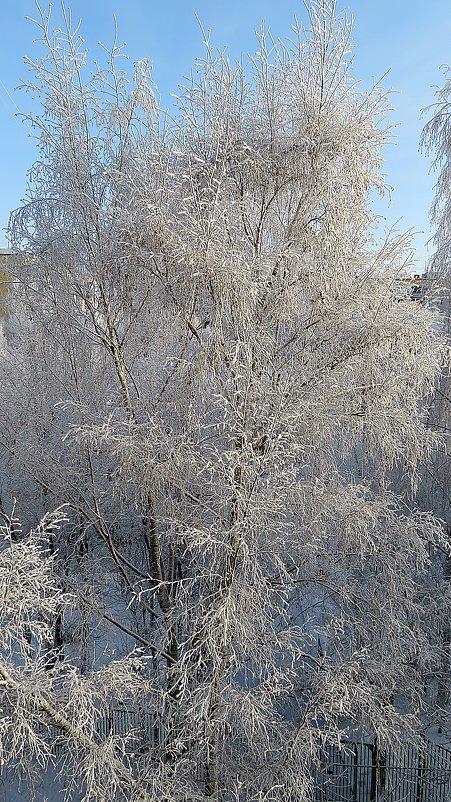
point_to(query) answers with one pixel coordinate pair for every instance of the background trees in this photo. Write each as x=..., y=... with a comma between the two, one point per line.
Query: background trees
x=436, y=139
x=434, y=492
x=212, y=362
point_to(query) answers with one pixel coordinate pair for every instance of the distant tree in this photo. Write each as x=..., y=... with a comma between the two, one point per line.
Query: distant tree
x=434, y=492
x=212, y=362
x=436, y=139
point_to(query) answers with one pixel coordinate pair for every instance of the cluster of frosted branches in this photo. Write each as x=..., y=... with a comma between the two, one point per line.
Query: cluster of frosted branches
x=48, y=708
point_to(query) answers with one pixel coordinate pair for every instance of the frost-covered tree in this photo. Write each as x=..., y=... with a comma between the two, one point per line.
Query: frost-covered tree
x=212, y=362
x=436, y=139
x=434, y=491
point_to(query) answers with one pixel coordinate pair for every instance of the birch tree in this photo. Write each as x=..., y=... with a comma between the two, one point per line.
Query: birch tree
x=213, y=363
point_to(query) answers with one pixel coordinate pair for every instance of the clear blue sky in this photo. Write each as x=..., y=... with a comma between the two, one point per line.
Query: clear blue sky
x=410, y=38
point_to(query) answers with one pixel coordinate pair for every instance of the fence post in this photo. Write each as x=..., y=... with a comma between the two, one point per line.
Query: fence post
x=419, y=791
x=356, y=771
x=373, y=790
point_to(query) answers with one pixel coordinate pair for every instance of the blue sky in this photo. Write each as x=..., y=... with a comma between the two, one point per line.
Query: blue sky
x=410, y=38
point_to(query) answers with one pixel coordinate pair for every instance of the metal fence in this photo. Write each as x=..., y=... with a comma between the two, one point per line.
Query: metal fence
x=362, y=773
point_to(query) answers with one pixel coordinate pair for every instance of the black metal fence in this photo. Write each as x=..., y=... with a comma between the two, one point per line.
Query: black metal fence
x=362, y=773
